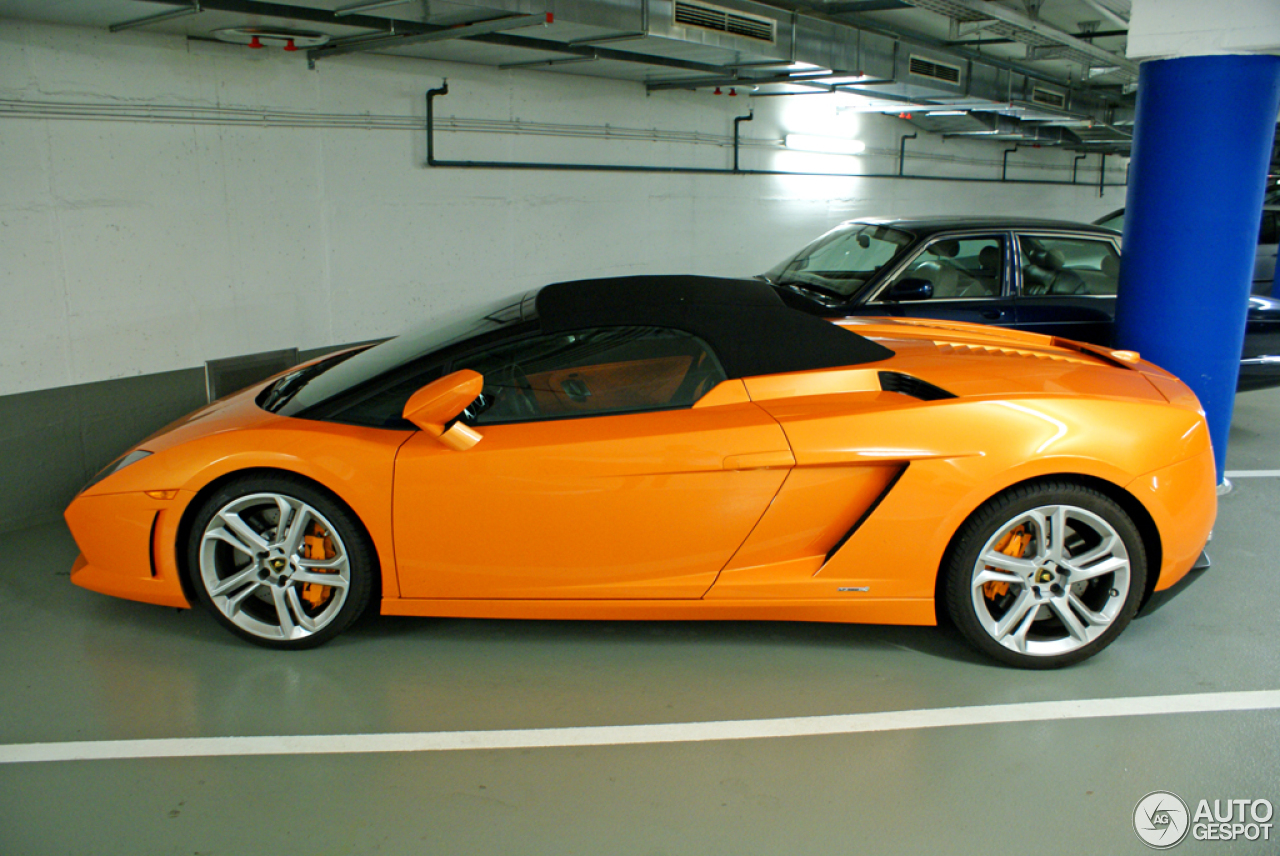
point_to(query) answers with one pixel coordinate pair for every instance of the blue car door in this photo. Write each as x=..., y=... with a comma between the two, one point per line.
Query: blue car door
x=967, y=274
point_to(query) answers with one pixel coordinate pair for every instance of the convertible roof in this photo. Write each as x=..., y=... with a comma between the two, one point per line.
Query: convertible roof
x=743, y=320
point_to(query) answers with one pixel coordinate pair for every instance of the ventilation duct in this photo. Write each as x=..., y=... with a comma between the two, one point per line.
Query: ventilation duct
x=668, y=44
x=724, y=21
x=919, y=66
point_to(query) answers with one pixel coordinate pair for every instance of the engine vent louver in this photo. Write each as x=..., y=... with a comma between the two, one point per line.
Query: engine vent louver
x=724, y=21
x=990, y=351
x=912, y=386
x=934, y=70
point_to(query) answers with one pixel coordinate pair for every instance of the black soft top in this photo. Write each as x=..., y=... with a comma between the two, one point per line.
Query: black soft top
x=744, y=321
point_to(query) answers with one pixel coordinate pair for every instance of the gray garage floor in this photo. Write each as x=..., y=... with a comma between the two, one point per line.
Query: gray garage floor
x=76, y=666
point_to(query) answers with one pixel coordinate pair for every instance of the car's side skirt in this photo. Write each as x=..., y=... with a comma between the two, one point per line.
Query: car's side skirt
x=856, y=609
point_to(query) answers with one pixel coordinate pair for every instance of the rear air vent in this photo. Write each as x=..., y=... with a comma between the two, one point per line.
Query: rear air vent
x=934, y=70
x=1048, y=97
x=721, y=20
x=912, y=386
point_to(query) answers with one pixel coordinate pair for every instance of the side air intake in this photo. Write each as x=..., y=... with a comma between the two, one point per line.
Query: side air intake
x=912, y=386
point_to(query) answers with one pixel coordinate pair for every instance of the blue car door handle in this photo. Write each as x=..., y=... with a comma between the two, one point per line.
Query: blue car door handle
x=992, y=313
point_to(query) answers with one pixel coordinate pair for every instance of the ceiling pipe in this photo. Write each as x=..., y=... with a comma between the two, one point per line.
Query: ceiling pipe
x=1004, y=169
x=432, y=160
x=367, y=6
x=1027, y=24
x=737, y=122
x=193, y=9
x=1110, y=14
x=902, y=152
x=1075, y=164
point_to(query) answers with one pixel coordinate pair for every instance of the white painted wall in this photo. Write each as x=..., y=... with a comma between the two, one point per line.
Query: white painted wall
x=130, y=247
x=1161, y=29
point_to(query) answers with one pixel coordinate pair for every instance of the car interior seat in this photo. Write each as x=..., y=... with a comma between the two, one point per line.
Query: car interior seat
x=1110, y=267
x=985, y=281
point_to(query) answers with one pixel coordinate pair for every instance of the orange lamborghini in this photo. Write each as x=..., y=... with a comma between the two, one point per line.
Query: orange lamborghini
x=674, y=448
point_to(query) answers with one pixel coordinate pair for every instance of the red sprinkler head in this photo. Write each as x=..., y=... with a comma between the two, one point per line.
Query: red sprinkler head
x=255, y=43
x=290, y=46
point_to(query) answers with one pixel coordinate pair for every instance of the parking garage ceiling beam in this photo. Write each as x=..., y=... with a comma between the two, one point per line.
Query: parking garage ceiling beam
x=462, y=31
x=397, y=25
x=973, y=10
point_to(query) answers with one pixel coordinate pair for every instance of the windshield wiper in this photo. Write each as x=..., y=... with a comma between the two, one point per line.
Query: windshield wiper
x=279, y=393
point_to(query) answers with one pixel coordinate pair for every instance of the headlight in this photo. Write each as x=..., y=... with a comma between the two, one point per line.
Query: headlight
x=118, y=465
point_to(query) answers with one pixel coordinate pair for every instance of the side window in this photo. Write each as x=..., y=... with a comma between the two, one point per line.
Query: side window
x=957, y=268
x=591, y=372
x=1067, y=266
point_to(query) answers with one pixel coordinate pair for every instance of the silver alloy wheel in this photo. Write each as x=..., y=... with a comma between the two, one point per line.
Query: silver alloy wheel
x=257, y=565
x=1050, y=580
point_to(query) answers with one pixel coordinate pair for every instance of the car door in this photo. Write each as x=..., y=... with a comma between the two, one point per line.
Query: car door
x=604, y=471
x=967, y=272
x=1066, y=285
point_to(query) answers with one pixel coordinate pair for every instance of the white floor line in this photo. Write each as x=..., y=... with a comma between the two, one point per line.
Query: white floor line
x=1253, y=474
x=633, y=735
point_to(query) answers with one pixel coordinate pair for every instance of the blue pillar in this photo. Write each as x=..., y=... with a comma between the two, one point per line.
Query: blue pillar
x=1201, y=146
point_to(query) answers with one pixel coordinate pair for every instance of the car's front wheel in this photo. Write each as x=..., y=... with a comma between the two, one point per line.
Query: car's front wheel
x=279, y=562
x=1045, y=575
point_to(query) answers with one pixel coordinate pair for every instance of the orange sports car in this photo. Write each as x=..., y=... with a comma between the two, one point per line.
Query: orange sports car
x=674, y=448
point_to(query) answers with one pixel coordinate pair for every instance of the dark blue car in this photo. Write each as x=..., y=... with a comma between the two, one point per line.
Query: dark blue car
x=1045, y=276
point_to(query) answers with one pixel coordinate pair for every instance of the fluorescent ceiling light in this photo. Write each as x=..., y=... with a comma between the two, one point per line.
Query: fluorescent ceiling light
x=826, y=145
x=948, y=113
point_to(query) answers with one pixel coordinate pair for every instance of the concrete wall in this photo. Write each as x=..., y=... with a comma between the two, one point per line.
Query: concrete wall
x=168, y=202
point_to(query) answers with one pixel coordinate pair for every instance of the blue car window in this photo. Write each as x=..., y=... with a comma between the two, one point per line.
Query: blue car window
x=1054, y=266
x=962, y=268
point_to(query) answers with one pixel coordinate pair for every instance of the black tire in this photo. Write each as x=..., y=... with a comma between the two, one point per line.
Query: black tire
x=1092, y=570
x=243, y=570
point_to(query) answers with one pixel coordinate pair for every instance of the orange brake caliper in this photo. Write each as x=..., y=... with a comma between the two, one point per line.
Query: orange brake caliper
x=317, y=547
x=1014, y=543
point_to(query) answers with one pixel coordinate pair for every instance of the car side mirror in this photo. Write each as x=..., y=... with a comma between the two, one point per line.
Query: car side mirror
x=910, y=289
x=435, y=408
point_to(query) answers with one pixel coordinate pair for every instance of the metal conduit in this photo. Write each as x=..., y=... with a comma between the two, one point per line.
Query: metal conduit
x=274, y=117
x=433, y=161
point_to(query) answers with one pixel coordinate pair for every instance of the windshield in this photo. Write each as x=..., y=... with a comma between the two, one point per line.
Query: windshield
x=311, y=386
x=842, y=261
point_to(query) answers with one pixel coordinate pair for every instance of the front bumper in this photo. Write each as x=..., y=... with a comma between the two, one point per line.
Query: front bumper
x=127, y=543
x=1160, y=598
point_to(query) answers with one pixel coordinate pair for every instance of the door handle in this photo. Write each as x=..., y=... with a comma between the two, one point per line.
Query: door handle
x=760, y=461
x=992, y=314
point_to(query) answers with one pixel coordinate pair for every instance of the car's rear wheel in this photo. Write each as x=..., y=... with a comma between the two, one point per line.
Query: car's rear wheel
x=1045, y=575
x=280, y=562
